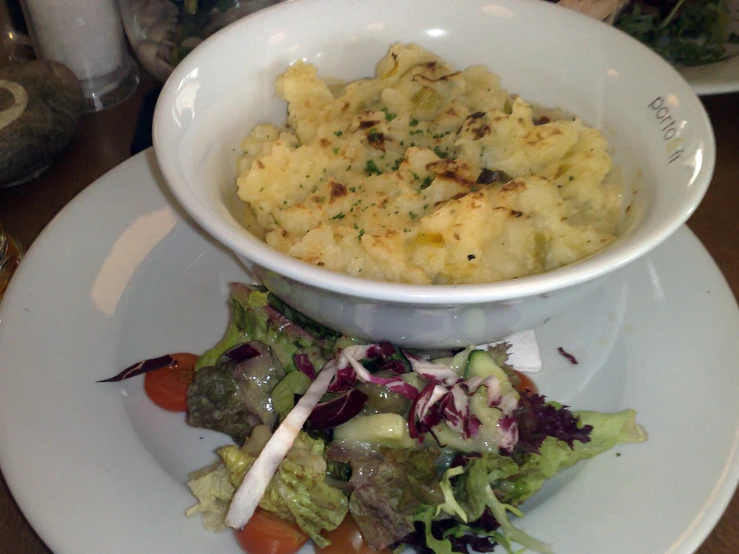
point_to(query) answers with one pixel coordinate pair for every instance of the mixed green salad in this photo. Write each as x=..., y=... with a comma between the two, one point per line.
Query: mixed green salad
x=430, y=450
x=684, y=32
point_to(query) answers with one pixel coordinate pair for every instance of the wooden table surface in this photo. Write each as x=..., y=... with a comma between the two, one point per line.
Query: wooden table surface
x=103, y=140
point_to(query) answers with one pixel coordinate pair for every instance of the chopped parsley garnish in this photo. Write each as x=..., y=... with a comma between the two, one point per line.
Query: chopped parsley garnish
x=338, y=133
x=397, y=163
x=413, y=122
x=426, y=182
x=389, y=116
x=361, y=233
x=439, y=152
x=371, y=168
x=339, y=215
x=412, y=215
x=373, y=135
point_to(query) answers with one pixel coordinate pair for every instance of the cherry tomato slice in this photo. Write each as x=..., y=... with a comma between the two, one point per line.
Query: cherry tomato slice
x=526, y=386
x=167, y=387
x=346, y=539
x=265, y=533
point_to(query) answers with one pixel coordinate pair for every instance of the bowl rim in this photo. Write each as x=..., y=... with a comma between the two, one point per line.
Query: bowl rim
x=254, y=251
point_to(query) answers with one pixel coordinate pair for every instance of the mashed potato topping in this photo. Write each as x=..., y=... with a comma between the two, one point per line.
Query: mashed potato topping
x=424, y=175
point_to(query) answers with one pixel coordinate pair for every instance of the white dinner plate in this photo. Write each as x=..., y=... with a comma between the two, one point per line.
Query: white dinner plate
x=715, y=78
x=120, y=275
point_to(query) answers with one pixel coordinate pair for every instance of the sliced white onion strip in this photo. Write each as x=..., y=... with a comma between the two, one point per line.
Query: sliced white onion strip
x=255, y=481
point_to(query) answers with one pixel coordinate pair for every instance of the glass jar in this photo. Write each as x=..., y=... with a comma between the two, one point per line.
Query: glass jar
x=162, y=32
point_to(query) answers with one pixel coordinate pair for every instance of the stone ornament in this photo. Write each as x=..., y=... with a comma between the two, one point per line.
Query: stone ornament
x=40, y=105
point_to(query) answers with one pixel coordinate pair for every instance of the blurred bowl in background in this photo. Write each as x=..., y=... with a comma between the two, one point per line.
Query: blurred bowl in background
x=163, y=32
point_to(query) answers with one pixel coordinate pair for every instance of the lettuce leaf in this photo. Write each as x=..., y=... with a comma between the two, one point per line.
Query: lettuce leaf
x=390, y=485
x=254, y=317
x=297, y=492
x=492, y=485
x=608, y=431
x=214, y=491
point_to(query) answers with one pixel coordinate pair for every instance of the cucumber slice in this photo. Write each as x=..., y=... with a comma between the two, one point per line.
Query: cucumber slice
x=378, y=429
x=481, y=364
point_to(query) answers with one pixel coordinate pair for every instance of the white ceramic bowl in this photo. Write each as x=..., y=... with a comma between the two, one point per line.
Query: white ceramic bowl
x=660, y=136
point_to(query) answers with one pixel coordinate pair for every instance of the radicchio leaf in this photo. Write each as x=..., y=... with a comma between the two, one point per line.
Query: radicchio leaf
x=570, y=358
x=344, y=379
x=349, y=370
x=303, y=363
x=508, y=433
x=394, y=366
x=432, y=371
x=141, y=367
x=333, y=413
x=380, y=350
x=239, y=353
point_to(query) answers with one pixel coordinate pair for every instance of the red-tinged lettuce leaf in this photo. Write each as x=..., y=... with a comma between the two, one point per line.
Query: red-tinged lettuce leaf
x=475, y=536
x=235, y=396
x=389, y=487
x=333, y=413
x=142, y=367
x=538, y=420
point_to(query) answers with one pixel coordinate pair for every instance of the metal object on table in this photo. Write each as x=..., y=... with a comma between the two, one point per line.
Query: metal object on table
x=10, y=257
x=86, y=36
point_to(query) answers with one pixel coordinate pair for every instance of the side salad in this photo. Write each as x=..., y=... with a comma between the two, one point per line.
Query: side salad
x=368, y=447
x=684, y=32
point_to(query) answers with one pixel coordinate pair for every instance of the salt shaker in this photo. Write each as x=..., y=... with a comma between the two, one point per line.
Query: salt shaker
x=86, y=36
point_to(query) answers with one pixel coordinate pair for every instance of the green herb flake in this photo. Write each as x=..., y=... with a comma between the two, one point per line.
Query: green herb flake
x=371, y=168
x=339, y=215
x=338, y=133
